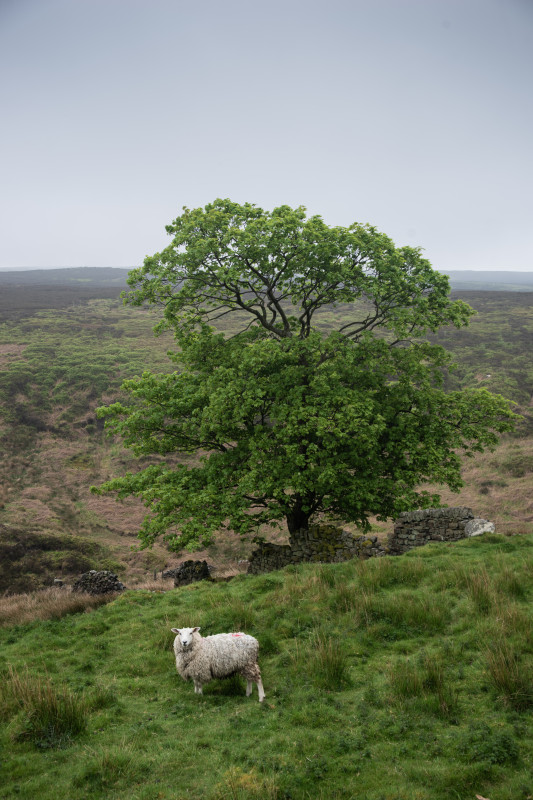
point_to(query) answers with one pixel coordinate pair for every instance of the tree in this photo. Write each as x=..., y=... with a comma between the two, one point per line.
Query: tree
x=304, y=381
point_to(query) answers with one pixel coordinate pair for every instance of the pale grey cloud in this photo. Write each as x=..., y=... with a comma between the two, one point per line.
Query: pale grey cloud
x=412, y=115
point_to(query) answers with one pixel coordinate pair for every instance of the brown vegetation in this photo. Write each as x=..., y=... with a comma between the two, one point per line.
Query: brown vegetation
x=52, y=603
x=55, y=448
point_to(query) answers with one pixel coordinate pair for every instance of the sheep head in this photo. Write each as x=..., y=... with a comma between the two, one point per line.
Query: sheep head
x=185, y=635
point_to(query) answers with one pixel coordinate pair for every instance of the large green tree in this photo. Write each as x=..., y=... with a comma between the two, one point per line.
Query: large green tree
x=303, y=379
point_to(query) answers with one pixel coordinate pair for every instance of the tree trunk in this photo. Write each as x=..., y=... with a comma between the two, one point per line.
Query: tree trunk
x=297, y=518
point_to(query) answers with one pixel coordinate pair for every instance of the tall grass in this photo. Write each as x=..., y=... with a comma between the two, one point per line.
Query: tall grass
x=481, y=590
x=382, y=573
x=240, y=785
x=52, y=603
x=510, y=582
x=425, y=680
x=511, y=676
x=404, y=610
x=323, y=661
x=47, y=716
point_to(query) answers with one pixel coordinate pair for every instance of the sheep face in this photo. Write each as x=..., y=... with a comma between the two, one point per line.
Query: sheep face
x=185, y=635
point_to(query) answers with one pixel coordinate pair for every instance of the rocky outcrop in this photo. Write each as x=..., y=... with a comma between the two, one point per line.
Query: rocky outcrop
x=98, y=582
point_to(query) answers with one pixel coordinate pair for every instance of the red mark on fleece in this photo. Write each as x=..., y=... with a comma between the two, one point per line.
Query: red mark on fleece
x=238, y=634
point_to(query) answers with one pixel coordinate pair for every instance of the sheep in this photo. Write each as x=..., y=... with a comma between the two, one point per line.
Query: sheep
x=199, y=659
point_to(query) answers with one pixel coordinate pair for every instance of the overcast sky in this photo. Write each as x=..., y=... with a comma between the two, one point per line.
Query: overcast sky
x=415, y=116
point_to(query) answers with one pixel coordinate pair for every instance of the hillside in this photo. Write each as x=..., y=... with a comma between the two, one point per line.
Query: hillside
x=406, y=678
x=59, y=363
x=26, y=292
x=68, y=276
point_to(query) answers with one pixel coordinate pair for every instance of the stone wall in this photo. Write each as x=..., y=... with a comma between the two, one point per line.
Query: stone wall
x=327, y=543
x=416, y=528
x=98, y=582
x=319, y=543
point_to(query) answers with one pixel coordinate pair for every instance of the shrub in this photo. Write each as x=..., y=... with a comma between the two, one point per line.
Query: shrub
x=518, y=464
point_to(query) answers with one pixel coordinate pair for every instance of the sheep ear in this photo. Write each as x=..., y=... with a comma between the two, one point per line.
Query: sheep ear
x=175, y=630
x=195, y=630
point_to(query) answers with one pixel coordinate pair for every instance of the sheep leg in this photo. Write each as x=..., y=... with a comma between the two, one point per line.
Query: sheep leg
x=253, y=675
x=197, y=688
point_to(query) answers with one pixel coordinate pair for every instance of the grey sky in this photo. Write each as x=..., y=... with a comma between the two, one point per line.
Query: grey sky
x=413, y=115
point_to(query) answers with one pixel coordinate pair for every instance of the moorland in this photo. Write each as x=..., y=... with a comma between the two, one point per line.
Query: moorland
x=63, y=355
x=406, y=678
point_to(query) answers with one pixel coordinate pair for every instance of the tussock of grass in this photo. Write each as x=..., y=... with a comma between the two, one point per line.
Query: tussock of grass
x=382, y=573
x=49, y=716
x=510, y=676
x=240, y=785
x=425, y=681
x=322, y=661
x=481, y=589
x=105, y=770
x=403, y=611
x=511, y=582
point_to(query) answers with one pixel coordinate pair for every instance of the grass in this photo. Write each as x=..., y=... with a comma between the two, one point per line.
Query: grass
x=388, y=680
x=52, y=603
x=512, y=679
x=45, y=715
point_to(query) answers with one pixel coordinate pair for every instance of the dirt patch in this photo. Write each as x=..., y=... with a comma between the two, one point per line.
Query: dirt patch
x=9, y=353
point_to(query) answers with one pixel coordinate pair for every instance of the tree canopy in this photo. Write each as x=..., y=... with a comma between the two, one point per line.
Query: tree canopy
x=303, y=384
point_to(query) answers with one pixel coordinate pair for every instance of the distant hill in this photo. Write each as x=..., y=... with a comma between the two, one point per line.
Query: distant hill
x=25, y=292
x=488, y=281
x=69, y=276
x=115, y=277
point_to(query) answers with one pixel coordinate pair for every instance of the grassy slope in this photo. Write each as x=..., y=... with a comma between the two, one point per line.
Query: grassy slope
x=407, y=678
x=58, y=365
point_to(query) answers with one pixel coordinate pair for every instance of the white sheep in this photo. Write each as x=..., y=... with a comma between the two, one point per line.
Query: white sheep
x=199, y=659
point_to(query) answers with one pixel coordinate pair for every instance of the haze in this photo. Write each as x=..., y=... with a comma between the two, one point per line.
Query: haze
x=412, y=115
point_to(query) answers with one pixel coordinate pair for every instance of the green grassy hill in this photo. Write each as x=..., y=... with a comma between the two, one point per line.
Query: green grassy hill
x=407, y=678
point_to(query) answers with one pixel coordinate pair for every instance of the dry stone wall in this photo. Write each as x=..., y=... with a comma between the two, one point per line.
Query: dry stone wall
x=98, y=582
x=328, y=543
x=319, y=543
x=189, y=572
x=416, y=528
